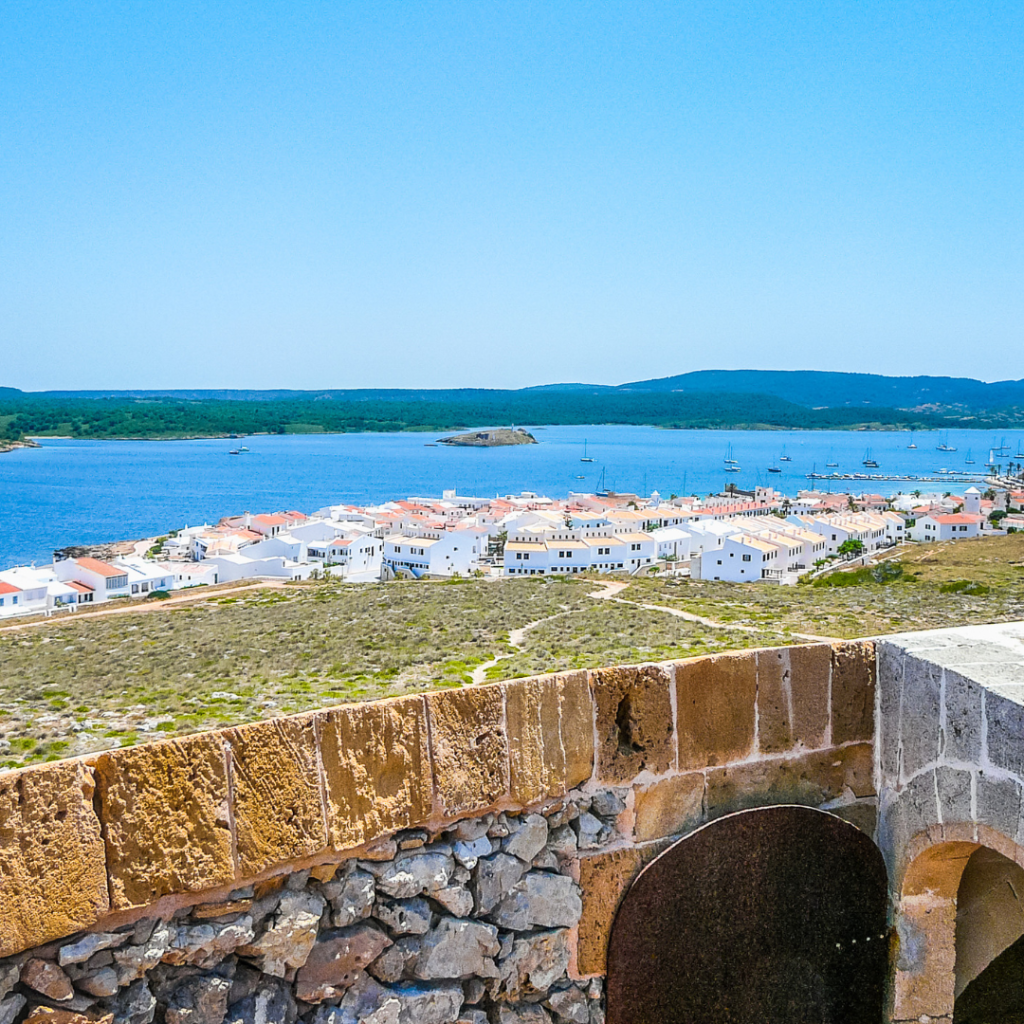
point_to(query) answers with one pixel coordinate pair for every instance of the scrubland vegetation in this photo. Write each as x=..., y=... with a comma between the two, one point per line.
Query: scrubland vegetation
x=69, y=687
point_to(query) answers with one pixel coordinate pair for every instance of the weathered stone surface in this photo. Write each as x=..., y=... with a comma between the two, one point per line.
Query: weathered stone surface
x=456, y=899
x=207, y=944
x=539, y=900
x=536, y=961
x=53, y=1015
x=536, y=758
x=337, y=960
x=635, y=731
x=9, y=975
x=853, y=691
x=999, y=804
x=529, y=838
x=351, y=899
x=919, y=724
x=569, y=1004
x=428, y=1004
x=413, y=873
x=891, y=660
x=10, y=1007
x=291, y=935
x=522, y=1013
x=268, y=1003
x=811, y=779
x=577, y=725
x=46, y=977
x=79, y=952
x=133, y=961
x=457, y=949
x=52, y=875
x=792, y=697
x=1005, y=720
x=404, y=917
x=165, y=818
x=562, y=841
x=468, y=853
x=715, y=701
x=906, y=814
x=100, y=983
x=377, y=769
x=199, y=1000
x=588, y=830
x=954, y=791
x=133, y=1005
x=604, y=878
x=668, y=807
x=470, y=750
x=964, y=698
x=276, y=798
x=494, y=878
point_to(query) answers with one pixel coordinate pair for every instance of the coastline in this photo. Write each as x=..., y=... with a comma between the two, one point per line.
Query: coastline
x=10, y=446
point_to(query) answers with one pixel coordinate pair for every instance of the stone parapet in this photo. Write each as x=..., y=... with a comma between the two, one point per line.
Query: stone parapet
x=100, y=839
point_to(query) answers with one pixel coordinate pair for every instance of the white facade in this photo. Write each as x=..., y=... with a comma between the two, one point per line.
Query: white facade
x=959, y=526
x=740, y=559
x=437, y=553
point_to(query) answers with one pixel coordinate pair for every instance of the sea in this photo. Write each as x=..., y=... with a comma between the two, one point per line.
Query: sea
x=70, y=492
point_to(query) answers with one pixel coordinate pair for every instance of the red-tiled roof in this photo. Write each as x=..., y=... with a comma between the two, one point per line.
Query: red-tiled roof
x=9, y=588
x=82, y=588
x=958, y=517
x=270, y=520
x=100, y=568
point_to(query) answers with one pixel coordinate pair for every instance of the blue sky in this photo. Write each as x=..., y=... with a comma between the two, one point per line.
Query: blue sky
x=501, y=194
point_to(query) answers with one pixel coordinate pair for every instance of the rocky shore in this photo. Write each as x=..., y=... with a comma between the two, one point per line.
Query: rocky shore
x=9, y=446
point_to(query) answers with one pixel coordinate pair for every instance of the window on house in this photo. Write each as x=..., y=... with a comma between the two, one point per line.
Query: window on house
x=117, y=582
x=746, y=558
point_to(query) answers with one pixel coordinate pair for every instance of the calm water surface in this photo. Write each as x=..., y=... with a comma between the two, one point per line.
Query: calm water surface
x=89, y=492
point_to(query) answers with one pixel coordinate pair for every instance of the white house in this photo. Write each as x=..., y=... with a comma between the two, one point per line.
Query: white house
x=432, y=553
x=740, y=559
x=672, y=543
x=956, y=526
x=351, y=555
x=241, y=567
x=191, y=574
x=102, y=580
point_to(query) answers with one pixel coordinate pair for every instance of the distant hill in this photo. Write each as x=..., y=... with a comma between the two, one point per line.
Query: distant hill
x=817, y=389
x=713, y=399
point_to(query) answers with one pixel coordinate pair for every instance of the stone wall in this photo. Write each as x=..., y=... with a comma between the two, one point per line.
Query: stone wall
x=451, y=856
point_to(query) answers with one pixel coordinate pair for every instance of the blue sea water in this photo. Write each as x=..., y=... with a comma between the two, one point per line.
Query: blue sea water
x=90, y=492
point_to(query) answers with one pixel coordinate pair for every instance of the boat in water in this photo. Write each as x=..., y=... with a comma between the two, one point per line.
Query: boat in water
x=784, y=457
x=729, y=460
x=945, y=446
x=585, y=457
x=868, y=461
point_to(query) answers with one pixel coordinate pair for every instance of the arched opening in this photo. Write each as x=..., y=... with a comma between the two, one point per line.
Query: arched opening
x=769, y=915
x=989, y=943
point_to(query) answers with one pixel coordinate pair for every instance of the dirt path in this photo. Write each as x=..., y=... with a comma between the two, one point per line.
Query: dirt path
x=183, y=599
x=516, y=637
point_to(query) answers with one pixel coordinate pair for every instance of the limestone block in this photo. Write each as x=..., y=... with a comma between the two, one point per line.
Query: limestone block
x=792, y=697
x=999, y=804
x=925, y=975
x=853, y=691
x=165, y=818
x=954, y=791
x=668, y=807
x=715, y=701
x=635, y=731
x=457, y=949
x=53, y=878
x=862, y=814
x=811, y=779
x=963, y=718
x=276, y=796
x=906, y=814
x=536, y=961
x=529, y=838
x=290, y=936
x=604, y=878
x=919, y=718
x=1005, y=721
x=891, y=660
x=469, y=745
x=377, y=769
x=537, y=761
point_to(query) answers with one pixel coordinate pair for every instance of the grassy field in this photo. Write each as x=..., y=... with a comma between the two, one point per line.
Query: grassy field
x=72, y=687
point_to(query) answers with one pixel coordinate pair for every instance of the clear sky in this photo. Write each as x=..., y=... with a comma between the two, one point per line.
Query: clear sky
x=431, y=194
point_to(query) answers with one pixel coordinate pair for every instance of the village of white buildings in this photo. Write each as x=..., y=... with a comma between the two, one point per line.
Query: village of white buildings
x=739, y=537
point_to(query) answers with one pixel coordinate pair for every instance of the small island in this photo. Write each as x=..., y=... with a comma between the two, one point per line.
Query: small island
x=490, y=438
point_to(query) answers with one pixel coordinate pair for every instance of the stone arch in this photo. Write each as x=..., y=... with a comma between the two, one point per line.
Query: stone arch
x=960, y=907
x=767, y=915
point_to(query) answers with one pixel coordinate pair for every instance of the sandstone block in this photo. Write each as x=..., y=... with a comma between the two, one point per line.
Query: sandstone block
x=635, y=731
x=811, y=779
x=276, y=792
x=853, y=691
x=469, y=745
x=165, y=818
x=810, y=678
x=668, y=807
x=377, y=768
x=577, y=725
x=51, y=1015
x=715, y=701
x=52, y=872
x=792, y=697
x=604, y=878
x=537, y=761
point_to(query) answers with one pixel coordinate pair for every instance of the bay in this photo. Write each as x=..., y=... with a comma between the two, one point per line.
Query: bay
x=90, y=492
